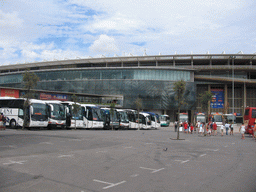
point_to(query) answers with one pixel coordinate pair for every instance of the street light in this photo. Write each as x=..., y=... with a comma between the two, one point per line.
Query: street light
x=233, y=88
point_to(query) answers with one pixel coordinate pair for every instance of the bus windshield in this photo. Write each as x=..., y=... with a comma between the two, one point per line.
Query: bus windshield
x=39, y=111
x=58, y=112
x=96, y=114
x=253, y=113
x=123, y=116
x=78, y=115
x=217, y=118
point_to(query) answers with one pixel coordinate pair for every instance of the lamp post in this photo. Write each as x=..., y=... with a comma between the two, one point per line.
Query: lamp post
x=233, y=88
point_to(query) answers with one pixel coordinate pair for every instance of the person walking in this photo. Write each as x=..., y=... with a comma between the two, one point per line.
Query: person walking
x=2, y=121
x=176, y=125
x=192, y=128
x=232, y=129
x=227, y=127
x=214, y=128
x=222, y=129
x=242, y=130
x=201, y=128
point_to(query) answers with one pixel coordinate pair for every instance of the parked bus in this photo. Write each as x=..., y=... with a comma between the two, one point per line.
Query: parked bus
x=155, y=121
x=144, y=121
x=132, y=117
x=229, y=118
x=183, y=117
x=250, y=119
x=164, y=120
x=109, y=119
x=217, y=118
x=13, y=110
x=73, y=120
x=92, y=116
x=123, y=117
x=57, y=114
x=200, y=117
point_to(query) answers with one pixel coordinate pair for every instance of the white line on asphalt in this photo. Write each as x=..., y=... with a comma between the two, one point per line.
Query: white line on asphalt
x=226, y=146
x=48, y=143
x=216, y=150
x=110, y=184
x=135, y=175
x=148, y=143
x=153, y=170
x=184, y=161
x=65, y=156
x=202, y=155
x=157, y=170
x=14, y=162
x=177, y=160
x=128, y=147
x=101, y=151
x=148, y=168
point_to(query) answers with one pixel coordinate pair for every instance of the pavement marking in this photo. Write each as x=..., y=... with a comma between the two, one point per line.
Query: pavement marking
x=75, y=140
x=48, y=143
x=14, y=162
x=202, y=155
x=110, y=184
x=128, y=147
x=216, y=150
x=226, y=146
x=65, y=156
x=101, y=151
x=149, y=143
x=135, y=175
x=184, y=161
x=153, y=170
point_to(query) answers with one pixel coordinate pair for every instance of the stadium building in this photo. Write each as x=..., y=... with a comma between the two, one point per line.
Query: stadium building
x=230, y=77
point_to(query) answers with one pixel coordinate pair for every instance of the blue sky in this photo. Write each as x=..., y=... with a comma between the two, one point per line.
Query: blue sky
x=35, y=30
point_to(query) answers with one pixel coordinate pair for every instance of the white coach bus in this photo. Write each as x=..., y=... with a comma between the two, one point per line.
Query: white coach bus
x=57, y=114
x=92, y=116
x=13, y=109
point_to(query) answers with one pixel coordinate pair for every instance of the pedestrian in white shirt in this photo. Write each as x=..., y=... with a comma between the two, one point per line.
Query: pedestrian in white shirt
x=221, y=129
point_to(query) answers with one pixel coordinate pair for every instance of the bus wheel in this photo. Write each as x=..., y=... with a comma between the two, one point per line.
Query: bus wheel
x=13, y=124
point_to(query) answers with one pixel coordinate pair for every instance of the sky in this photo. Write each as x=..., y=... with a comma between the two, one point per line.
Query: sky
x=48, y=30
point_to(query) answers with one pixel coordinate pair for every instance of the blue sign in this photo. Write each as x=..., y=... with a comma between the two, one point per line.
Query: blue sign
x=217, y=98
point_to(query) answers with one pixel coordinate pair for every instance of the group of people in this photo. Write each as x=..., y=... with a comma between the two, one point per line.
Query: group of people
x=210, y=128
x=2, y=121
x=187, y=127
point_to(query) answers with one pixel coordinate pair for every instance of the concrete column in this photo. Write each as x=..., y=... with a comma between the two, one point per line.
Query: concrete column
x=244, y=98
x=209, y=104
x=225, y=97
x=173, y=62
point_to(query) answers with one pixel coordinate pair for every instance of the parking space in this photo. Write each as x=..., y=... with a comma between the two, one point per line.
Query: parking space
x=126, y=161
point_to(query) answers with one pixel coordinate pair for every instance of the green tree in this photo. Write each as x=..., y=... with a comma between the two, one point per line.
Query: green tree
x=30, y=80
x=138, y=104
x=205, y=99
x=75, y=107
x=179, y=88
x=112, y=112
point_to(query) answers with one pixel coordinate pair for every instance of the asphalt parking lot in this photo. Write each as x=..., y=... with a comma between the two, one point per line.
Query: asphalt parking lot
x=130, y=160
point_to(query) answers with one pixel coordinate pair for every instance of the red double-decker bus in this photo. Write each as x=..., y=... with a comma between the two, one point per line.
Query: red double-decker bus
x=250, y=119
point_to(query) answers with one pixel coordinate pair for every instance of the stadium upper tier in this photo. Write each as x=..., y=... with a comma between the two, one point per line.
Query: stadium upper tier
x=202, y=62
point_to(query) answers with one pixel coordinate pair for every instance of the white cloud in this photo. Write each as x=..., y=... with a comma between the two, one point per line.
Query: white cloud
x=104, y=44
x=10, y=20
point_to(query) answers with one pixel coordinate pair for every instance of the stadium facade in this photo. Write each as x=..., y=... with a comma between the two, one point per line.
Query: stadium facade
x=150, y=78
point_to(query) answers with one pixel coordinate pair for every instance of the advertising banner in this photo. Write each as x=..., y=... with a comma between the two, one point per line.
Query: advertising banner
x=9, y=93
x=217, y=98
x=51, y=96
